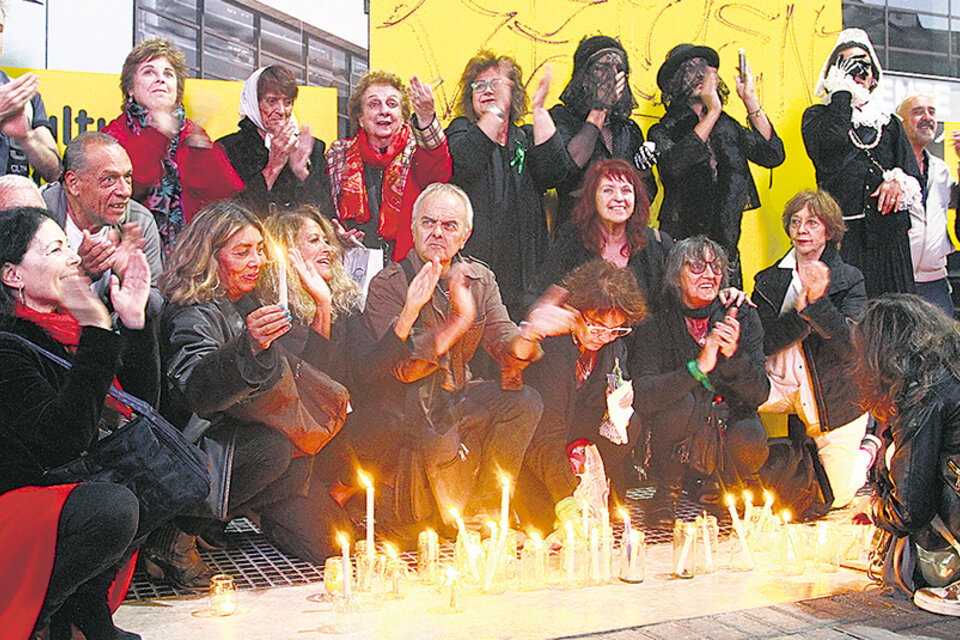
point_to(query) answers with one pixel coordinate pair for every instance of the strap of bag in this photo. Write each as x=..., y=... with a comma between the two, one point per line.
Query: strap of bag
x=133, y=402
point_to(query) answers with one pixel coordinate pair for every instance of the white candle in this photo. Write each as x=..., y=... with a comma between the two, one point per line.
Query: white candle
x=625, y=541
x=281, y=276
x=707, y=550
x=792, y=553
x=455, y=514
x=767, y=503
x=504, y=505
x=451, y=577
x=568, y=552
x=738, y=527
x=367, y=482
x=347, y=572
x=541, y=551
x=747, y=507
x=493, y=556
x=685, y=551
x=633, y=553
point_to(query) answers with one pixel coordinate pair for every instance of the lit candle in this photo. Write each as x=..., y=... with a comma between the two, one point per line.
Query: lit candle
x=625, y=541
x=633, y=551
x=767, y=503
x=738, y=527
x=493, y=556
x=367, y=482
x=606, y=554
x=707, y=550
x=792, y=553
x=747, y=507
x=541, y=559
x=347, y=572
x=281, y=276
x=504, y=505
x=450, y=575
x=568, y=552
x=394, y=568
x=455, y=514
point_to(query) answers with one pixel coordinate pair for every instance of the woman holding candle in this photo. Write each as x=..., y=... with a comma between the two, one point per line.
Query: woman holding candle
x=218, y=352
x=573, y=378
x=176, y=168
x=908, y=367
x=697, y=362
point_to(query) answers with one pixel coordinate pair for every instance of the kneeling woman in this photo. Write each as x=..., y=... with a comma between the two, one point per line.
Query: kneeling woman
x=690, y=355
x=71, y=539
x=572, y=381
x=218, y=351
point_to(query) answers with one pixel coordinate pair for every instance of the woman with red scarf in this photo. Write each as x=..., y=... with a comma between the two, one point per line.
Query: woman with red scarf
x=377, y=175
x=64, y=544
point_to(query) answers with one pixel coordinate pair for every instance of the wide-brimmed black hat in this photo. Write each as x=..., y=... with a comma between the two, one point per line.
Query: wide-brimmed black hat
x=680, y=54
x=589, y=45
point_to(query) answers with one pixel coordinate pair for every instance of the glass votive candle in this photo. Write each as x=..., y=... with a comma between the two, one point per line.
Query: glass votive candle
x=333, y=575
x=468, y=557
x=223, y=595
x=633, y=555
x=684, y=549
x=494, y=564
x=708, y=543
x=533, y=564
x=792, y=549
x=826, y=547
x=428, y=556
x=370, y=576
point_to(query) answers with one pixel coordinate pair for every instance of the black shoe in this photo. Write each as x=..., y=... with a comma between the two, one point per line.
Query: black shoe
x=662, y=510
x=172, y=555
x=215, y=537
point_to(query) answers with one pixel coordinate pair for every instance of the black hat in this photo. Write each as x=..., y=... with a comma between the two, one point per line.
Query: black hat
x=680, y=54
x=590, y=45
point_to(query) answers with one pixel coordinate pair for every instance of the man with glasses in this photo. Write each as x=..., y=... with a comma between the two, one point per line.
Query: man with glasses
x=586, y=390
x=699, y=377
x=454, y=435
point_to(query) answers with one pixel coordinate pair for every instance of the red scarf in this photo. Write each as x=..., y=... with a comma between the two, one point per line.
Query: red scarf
x=353, y=197
x=65, y=329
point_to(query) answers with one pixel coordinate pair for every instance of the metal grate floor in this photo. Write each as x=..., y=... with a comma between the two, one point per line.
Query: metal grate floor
x=254, y=563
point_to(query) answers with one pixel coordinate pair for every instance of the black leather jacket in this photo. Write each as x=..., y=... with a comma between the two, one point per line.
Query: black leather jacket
x=823, y=331
x=919, y=483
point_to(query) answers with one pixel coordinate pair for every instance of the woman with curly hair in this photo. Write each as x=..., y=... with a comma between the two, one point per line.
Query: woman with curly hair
x=593, y=119
x=610, y=222
x=504, y=167
x=572, y=379
x=177, y=169
x=908, y=368
x=376, y=176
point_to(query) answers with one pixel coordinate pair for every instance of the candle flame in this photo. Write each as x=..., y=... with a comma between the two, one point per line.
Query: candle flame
x=731, y=501
x=454, y=513
x=785, y=515
x=278, y=250
x=536, y=537
x=391, y=550
x=343, y=540
x=747, y=496
x=569, y=527
x=505, y=481
x=450, y=574
x=364, y=478
x=767, y=496
x=624, y=514
x=492, y=526
x=691, y=528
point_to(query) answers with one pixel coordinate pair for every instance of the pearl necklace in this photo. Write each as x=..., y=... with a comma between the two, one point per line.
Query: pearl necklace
x=855, y=139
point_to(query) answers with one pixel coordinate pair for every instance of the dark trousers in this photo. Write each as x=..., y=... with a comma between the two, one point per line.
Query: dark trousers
x=97, y=525
x=938, y=293
x=744, y=443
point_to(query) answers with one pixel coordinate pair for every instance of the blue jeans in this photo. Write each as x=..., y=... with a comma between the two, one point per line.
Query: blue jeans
x=937, y=292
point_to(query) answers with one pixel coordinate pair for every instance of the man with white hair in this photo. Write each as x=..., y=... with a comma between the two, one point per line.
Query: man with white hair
x=19, y=191
x=929, y=242
x=453, y=435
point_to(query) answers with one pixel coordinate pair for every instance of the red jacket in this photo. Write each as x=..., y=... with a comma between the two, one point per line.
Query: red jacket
x=206, y=175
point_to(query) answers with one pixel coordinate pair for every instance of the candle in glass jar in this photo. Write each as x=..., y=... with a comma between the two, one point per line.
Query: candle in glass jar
x=367, y=482
x=568, y=552
x=345, y=558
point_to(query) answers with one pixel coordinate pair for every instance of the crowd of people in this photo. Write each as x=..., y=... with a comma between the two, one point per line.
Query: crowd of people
x=210, y=279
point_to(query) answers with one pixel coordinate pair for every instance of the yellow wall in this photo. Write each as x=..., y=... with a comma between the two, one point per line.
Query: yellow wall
x=96, y=97
x=785, y=41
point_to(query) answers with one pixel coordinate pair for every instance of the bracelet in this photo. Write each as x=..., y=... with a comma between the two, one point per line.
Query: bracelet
x=751, y=114
x=698, y=375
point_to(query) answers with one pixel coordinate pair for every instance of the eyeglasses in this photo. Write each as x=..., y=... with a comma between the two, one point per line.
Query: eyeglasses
x=480, y=86
x=598, y=330
x=699, y=266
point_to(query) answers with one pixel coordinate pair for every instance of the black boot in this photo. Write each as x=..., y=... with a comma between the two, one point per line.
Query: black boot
x=172, y=555
x=89, y=610
x=662, y=510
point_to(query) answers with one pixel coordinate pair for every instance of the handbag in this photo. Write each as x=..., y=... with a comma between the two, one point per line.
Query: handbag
x=306, y=405
x=706, y=443
x=146, y=454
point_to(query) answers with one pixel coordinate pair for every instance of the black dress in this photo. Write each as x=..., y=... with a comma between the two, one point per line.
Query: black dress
x=876, y=244
x=505, y=184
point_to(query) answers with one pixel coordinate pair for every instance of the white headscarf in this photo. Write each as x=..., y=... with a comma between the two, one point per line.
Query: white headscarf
x=865, y=110
x=250, y=105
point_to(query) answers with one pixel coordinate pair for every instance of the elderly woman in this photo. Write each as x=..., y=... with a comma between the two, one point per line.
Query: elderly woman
x=218, y=351
x=594, y=119
x=504, y=167
x=698, y=363
x=704, y=153
x=376, y=176
x=572, y=378
x=79, y=535
x=908, y=366
x=281, y=164
x=864, y=159
x=610, y=222
x=176, y=168
x=807, y=302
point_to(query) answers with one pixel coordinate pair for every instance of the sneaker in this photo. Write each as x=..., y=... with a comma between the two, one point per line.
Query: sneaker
x=942, y=600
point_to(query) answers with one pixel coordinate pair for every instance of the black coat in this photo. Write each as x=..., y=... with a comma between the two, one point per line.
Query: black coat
x=569, y=252
x=876, y=244
x=48, y=415
x=249, y=156
x=505, y=184
x=698, y=197
x=823, y=331
x=627, y=140
x=913, y=490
